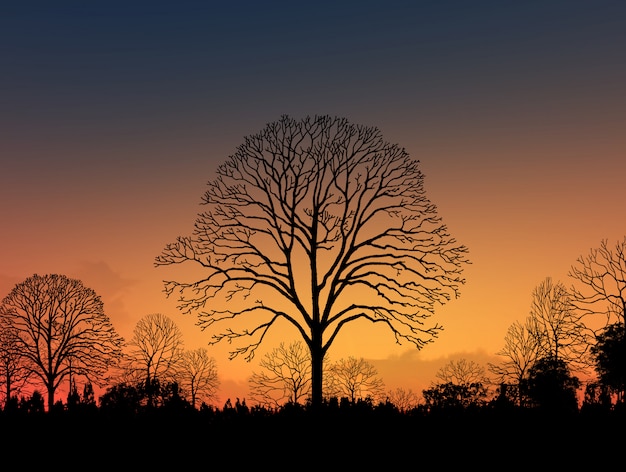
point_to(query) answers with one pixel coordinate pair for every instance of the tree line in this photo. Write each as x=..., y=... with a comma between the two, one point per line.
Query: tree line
x=54, y=330
x=318, y=223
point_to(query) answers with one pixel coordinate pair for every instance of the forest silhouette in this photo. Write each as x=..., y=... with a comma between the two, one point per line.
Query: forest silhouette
x=339, y=434
x=328, y=205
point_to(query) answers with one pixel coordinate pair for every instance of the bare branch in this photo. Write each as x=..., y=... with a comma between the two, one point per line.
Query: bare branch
x=602, y=274
x=62, y=330
x=306, y=217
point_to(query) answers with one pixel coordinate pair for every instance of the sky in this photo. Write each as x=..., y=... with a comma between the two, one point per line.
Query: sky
x=115, y=114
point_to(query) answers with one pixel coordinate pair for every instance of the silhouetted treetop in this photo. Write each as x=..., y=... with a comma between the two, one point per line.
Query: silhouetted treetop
x=61, y=330
x=316, y=222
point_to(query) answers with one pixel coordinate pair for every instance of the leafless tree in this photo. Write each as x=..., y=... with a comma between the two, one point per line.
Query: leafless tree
x=62, y=330
x=557, y=325
x=602, y=274
x=354, y=379
x=553, y=330
x=197, y=376
x=462, y=372
x=14, y=374
x=156, y=349
x=461, y=383
x=319, y=223
x=285, y=378
x=520, y=352
x=403, y=399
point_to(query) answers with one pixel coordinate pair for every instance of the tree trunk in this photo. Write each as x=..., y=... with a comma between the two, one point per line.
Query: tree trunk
x=50, y=398
x=317, y=362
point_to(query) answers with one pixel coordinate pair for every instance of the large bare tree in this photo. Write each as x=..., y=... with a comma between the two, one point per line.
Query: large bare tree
x=62, y=330
x=317, y=223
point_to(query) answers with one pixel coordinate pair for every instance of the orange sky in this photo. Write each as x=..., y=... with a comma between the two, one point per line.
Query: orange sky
x=114, y=119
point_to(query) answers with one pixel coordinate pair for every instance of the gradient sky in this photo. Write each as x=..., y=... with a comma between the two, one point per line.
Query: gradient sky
x=114, y=115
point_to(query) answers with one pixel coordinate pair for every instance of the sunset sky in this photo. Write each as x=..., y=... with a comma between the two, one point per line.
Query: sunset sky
x=115, y=114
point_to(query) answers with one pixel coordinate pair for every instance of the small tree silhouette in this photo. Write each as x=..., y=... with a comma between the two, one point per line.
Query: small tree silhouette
x=156, y=349
x=285, y=376
x=197, y=376
x=354, y=379
x=551, y=387
x=609, y=354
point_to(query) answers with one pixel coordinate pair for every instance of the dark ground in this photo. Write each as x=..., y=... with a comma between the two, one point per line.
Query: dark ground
x=307, y=441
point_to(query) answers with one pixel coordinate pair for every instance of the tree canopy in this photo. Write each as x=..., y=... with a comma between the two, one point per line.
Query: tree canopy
x=317, y=223
x=61, y=330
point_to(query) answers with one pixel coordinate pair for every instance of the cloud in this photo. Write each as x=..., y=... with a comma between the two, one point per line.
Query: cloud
x=410, y=370
x=232, y=389
x=113, y=289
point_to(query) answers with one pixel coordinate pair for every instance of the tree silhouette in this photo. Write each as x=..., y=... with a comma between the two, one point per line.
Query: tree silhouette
x=197, y=376
x=34, y=404
x=156, y=349
x=551, y=386
x=520, y=352
x=62, y=330
x=403, y=399
x=84, y=403
x=285, y=378
x=609, y=354
x=354, y=379
x=462, y=372
x=452, y=397
x=557, y=325
x=602, y=274
x=123, y=398
x=602, y=291
x=316, y=223
x=13, y=372
x=461, y=384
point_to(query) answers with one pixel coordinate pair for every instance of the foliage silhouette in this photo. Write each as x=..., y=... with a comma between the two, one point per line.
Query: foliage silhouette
x=609, y=354
x=450, y=397
x=170, y=433
x=551, y=386
x=127, y=402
